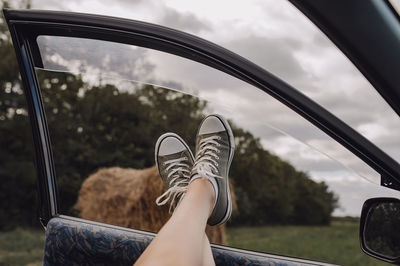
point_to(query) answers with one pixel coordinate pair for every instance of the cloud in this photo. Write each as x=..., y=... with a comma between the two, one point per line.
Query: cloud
x=274, y=54
x=80, y=55
x=66, y=5
x=153, y=11
x=50, y=5
x=183, y=21
x=126, y=3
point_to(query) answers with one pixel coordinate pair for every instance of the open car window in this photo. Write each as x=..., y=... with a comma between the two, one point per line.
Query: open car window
x=106, y=104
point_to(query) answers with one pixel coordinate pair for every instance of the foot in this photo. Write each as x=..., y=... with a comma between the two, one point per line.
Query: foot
x=214, y=153
x=174, y=162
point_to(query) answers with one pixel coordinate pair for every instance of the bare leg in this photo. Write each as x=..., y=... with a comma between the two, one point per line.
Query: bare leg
x=181, y=240
x=208, y=259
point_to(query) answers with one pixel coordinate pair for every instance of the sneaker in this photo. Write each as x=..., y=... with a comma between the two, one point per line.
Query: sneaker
x=174, y=162
x=215, y=147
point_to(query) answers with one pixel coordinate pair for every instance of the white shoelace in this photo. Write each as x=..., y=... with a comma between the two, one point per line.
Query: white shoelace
x=175, y=169
x=206, y=156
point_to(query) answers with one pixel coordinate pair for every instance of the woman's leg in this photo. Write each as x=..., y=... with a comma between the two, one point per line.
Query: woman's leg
x=208, y=259
x=181, y=241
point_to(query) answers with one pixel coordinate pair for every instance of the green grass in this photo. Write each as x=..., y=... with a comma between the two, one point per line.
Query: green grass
x=338, y=243
x=22, y=247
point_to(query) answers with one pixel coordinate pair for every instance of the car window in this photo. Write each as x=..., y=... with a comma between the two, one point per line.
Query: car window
x=107, y=103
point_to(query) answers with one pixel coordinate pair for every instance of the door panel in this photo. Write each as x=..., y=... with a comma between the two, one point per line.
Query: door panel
x=71, y=241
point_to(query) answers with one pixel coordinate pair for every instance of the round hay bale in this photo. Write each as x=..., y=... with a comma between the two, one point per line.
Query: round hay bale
x=126, y=197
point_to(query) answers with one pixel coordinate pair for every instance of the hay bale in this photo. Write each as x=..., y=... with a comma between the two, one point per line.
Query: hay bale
x=126, y=197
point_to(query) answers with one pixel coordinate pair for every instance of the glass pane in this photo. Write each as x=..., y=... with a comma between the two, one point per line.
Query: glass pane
x=107, y=104
x=109, y=60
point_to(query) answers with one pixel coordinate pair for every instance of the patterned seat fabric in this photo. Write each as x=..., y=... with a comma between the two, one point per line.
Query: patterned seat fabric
x=72, y=241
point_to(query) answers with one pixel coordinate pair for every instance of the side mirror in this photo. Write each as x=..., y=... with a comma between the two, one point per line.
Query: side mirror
x=380, y=229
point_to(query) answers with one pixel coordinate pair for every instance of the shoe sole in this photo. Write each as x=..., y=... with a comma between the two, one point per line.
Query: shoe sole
x=164, y=136
x=231, y=153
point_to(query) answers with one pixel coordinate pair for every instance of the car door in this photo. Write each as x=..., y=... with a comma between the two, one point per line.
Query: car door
x=72, y=240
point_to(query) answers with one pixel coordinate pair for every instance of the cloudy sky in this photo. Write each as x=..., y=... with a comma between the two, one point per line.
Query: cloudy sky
x=276, y=36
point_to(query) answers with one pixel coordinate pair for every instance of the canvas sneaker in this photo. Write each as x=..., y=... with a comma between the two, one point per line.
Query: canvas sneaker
x=174, y=162
x=215, y=147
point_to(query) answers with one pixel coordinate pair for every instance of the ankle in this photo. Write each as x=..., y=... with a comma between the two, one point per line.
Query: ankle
x=207, y=190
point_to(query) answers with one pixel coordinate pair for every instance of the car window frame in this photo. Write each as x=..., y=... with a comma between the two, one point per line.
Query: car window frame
x=25, y=26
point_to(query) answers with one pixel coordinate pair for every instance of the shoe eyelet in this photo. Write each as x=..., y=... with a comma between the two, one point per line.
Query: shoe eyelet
x=219, y=138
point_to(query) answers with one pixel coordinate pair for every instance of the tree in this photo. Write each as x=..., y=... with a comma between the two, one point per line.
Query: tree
x=271, y=191
x=100, y=126
x=17, y=173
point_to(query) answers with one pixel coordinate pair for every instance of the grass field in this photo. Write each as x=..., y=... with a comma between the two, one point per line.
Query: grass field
x=335, y=244
x=338, y=243
x=22, y=247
